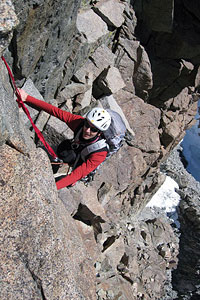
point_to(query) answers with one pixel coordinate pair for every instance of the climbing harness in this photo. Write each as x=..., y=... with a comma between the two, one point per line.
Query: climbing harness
x=21, y=104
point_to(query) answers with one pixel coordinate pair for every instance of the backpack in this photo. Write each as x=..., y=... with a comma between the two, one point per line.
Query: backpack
x=115, y=134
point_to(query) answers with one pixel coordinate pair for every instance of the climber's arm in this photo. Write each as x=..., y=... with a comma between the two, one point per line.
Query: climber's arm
x=93, y=161
x=70, y=119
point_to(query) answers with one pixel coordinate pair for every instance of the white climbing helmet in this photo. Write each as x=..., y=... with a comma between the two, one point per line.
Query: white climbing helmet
x=99, y=117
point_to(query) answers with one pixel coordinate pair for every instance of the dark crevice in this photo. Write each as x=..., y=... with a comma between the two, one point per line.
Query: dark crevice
x=39, y=284
x=116, y=40
x=85, y=215
x=36, y=279
x=127, y=278
x=35, y=6
x=183, y=159
x=14, y=52
x=18, y=149
x=110, y=240
x=125, y=259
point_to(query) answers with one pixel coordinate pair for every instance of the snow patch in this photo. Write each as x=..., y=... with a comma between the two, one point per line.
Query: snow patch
x=167, y=199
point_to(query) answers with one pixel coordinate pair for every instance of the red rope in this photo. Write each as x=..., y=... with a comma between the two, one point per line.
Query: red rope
x=21, y=104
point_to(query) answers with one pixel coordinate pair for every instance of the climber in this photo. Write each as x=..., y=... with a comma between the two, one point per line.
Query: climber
x=87, y=131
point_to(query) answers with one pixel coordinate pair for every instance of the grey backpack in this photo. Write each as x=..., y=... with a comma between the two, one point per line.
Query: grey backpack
x=115, y=134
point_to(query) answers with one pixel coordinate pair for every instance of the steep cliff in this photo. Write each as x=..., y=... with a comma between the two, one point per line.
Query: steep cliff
x=186, y=276
x=138, y=57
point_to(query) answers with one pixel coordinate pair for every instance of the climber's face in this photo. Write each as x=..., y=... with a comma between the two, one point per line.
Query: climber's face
x=89, y=131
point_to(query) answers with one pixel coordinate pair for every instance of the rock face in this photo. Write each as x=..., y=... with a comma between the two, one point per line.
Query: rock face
x=142, y=61
x=8, y=21
x=43, y=41
x=186, y=276
x=43, y=256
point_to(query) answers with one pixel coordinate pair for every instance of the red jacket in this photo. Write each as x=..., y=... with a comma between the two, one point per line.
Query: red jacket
x=73, y=121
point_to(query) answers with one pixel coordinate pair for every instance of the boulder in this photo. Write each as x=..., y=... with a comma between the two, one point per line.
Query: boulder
x=174, y=121
x=91, y=26
x=80, y=196
x=110, y=187
x=115, y=252
x=130, y=47
x=97, y=62
x=197, y=79
x=105, y=10
x=182, y=101
x=126, y=68
x=143, y=118
x=110, y=81
x=142, y=77
x=72, y=90
x=184, y=78
x=56, y=131
x=126, y=50
x=83, y=100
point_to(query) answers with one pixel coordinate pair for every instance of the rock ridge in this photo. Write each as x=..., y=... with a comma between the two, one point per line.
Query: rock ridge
x=186, y=276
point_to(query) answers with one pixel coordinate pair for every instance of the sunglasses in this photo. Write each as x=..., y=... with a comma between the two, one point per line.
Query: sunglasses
x=92, y=128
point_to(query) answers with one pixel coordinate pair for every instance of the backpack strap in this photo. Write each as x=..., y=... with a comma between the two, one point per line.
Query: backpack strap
x=87, y=149
x=93, y=147
x=77, y=136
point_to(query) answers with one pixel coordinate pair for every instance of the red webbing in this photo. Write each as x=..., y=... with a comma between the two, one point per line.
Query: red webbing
x=21, y=104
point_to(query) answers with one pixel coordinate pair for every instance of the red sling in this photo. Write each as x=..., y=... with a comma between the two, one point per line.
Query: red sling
x=21, y=104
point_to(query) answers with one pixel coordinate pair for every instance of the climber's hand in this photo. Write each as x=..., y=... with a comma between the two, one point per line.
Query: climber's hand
x=23, y=94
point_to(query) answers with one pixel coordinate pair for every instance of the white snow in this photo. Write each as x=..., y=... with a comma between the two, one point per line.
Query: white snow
x=167, y=199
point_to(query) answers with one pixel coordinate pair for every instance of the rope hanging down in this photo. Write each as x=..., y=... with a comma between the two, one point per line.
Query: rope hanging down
x=21, y=104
